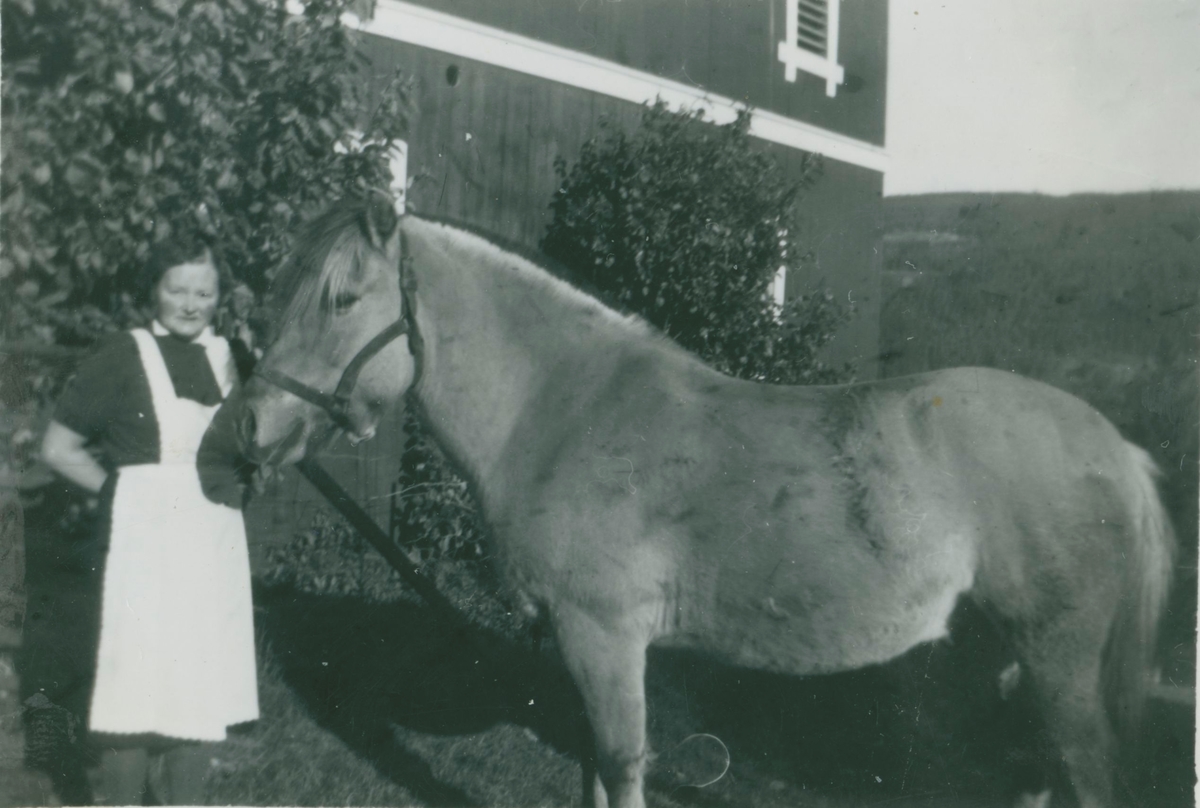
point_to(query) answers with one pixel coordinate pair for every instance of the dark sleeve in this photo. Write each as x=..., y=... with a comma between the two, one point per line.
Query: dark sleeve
x=224, y=471
x=243, y=358
x=92, y=397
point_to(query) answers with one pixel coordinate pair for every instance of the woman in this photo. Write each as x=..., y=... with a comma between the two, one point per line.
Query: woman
x=176, y=663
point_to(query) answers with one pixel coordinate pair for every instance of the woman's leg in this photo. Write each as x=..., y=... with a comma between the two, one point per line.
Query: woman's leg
x=122, y=776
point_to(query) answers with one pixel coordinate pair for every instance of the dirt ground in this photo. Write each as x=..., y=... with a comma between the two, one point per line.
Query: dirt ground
x=487, y=717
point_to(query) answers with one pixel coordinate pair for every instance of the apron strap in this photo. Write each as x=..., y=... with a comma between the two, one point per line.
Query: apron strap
x=162, y=389
x=220, y=359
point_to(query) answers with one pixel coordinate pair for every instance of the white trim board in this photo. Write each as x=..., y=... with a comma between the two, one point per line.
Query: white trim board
x=416, y=25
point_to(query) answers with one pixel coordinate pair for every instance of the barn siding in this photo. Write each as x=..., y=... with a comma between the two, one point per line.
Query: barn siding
x=724, y=46
x=502, y=178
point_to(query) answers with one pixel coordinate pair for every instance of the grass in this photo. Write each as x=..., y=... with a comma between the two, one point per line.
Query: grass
x=367, y=699
x=288, y=759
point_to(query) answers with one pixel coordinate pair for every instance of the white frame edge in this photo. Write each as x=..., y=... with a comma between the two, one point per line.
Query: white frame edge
x=416, y=25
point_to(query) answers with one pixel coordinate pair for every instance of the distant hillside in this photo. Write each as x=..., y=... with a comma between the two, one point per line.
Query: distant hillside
x=1123, y=270
x=1098, y=295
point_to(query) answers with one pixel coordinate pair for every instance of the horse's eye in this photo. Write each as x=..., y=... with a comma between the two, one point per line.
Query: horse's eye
x=343, y=301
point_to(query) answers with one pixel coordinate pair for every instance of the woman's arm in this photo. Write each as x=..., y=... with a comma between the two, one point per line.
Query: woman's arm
x=64, y=450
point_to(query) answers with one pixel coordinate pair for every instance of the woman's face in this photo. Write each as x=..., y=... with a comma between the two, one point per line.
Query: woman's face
x=186, y=297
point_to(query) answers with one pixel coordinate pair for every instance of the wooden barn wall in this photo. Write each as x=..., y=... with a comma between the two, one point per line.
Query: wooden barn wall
x=725, y=46
x=841, y=224
x=482, y=151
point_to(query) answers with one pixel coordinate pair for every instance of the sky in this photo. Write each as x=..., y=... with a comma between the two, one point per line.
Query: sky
x=1050, y=96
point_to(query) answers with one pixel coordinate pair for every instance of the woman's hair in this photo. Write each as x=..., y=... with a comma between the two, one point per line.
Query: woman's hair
x=179, y=248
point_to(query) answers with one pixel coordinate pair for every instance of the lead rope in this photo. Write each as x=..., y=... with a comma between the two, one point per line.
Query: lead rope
x=400, y=560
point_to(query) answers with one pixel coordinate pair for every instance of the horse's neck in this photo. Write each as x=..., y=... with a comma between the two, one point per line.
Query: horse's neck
x=493, y=337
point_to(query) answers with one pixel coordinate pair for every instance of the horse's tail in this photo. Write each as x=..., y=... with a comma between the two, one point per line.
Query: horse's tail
x=1150, y=556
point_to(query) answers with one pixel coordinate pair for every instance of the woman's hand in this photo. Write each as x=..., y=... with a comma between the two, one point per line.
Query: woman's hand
x=64, y=450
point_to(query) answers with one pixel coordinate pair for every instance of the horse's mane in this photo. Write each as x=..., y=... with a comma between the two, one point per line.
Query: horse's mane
x=542, y=272
x=330, y=246
x=517, y=248
x=326, y=253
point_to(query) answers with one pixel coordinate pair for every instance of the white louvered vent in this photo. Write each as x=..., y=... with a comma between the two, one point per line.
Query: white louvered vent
x=812, y=42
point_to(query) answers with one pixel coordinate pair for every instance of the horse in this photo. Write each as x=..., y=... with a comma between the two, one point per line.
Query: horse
x=635, y=496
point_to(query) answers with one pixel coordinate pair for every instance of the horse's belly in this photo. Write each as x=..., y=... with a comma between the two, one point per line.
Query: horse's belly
x=838, y=615
x=767, y=636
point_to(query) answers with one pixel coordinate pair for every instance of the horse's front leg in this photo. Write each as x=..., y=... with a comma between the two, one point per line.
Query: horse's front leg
x=608, y=663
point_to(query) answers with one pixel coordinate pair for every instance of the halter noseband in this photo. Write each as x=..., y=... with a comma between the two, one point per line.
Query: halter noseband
x=338, y=404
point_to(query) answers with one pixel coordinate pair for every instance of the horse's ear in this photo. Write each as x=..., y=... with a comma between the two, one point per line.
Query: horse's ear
x=380, y=221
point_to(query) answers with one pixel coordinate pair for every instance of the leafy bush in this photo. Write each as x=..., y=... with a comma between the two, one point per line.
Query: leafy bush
x=686, y=224
x=331, y=558
x=128, y=123
x=433, y=509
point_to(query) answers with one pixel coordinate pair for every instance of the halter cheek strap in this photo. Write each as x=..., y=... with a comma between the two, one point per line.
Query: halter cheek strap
x=337, y=405
x=408, y=293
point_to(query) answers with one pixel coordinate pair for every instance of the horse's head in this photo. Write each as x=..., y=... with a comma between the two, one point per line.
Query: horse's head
x=340, y=352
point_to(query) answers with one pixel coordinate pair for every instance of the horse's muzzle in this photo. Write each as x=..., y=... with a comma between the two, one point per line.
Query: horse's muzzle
x=268, y=451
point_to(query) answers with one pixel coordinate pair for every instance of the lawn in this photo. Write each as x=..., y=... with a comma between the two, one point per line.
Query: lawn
x=367, y=699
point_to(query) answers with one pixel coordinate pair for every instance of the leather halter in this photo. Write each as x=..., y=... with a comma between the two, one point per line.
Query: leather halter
x=337, y=405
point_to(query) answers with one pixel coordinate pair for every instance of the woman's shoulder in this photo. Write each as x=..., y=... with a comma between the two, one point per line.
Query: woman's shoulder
x=114, y=353
x=101, y=382
x=115, y=342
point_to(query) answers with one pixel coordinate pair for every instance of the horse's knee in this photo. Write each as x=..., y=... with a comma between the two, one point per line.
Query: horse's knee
x=618, y=781
x=609, y=783
x=614, y=770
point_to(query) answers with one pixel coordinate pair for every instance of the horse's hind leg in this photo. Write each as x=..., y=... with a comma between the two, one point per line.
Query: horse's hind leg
x=1063, y=662
x=608, y=664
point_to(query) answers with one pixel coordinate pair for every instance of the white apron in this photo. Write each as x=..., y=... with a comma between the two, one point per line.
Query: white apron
x=176, y=653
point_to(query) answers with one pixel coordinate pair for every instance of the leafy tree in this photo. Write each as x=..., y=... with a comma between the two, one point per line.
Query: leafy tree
x=686, y=224
x=131, y=121
x=128, y=122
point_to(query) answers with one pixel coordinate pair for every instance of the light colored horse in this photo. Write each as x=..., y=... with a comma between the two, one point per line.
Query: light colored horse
x=637, y=496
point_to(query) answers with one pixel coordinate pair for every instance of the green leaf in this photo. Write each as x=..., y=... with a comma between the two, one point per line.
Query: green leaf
x=75, y=176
